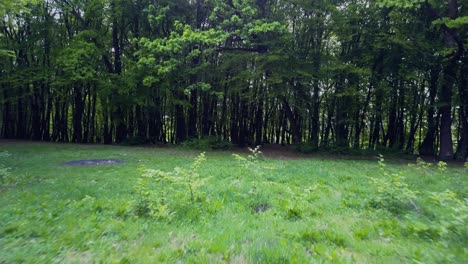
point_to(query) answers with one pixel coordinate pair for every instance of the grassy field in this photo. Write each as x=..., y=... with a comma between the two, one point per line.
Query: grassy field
x=227, y=209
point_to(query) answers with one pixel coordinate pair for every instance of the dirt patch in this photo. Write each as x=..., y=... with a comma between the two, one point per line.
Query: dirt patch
x=260, y=208
x=92, y=162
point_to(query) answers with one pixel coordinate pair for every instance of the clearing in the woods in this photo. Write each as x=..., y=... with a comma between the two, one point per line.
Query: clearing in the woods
x=174, y=205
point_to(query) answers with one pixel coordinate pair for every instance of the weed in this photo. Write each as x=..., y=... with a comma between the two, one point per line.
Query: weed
x=253, y=164
x=171, y=187
x=393, y=193
x=6, y=178
x=149, y=203
x=422, y=166
x=455, y=221
x=442, y=166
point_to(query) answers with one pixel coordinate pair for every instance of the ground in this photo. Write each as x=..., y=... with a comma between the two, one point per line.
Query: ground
x=281, y=207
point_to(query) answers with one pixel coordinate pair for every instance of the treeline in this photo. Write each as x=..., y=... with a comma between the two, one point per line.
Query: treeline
x=346, y=73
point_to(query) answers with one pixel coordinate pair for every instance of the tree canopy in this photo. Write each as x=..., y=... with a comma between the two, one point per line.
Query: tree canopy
x=322, y=74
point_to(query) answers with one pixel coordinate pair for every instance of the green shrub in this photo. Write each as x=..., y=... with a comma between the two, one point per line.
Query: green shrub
x=455, y=220
x=207, y=143
x=157, y=190
x=149, y=203
x=393, y=193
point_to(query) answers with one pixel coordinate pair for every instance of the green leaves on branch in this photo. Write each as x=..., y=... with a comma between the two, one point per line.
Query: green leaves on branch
x=199, y=85
x=79, y=61
x=403, y=4
x=452, y=23
x=164, y=56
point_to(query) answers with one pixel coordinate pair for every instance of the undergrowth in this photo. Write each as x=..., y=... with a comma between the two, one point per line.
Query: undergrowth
x=446, y=217
x=207, y=143
x=223, y=208
x=159, y=190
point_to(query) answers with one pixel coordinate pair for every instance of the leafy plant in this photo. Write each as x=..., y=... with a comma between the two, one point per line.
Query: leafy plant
x=5, y=174
x=456, y=219
x=150, y=203
x=423, y=164
x=442, y=166
x=393, y=193
x=168, y=187
x=251, y=163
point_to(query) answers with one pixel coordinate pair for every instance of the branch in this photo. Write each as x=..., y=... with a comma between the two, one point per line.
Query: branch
x=432, y=12
x=74, y=12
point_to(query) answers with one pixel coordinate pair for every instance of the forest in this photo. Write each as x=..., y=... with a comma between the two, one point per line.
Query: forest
x=350, y=74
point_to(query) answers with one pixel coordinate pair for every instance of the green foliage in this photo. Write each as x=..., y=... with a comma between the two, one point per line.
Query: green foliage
x=252, y=164
x=174, y=50
x=208, y=143
x=393, y=193
x=305, y=210
x=79, y=61
x=422, y=166
x=6, y=178
x=459, y=22
x=158, y=190
x=450, y=227
x=448, y=214
x=455, y=221
x=403, y=4
x=7, y=53
x=148, y=202
x=442, y=166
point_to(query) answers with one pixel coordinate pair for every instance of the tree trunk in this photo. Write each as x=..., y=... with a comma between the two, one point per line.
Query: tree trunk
x=293, y=122
x=427, y=146
x=449, y=77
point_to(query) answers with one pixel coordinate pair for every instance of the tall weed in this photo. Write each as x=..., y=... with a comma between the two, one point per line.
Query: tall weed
x=157, y=189
x=393, y=193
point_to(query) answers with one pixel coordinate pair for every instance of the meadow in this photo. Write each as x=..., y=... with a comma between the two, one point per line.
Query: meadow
x=174, y=205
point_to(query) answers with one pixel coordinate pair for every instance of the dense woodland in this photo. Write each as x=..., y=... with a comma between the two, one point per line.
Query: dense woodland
x=360, y=74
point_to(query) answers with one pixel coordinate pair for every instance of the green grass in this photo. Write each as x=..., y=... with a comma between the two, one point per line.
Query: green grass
x=271, y=211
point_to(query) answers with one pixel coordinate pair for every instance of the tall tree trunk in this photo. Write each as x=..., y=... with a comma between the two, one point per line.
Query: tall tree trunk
x=462, y=148
x=427, y=146
x=293, y=122
x=118, y=116
x=181, y=129
x=449, y=79
x=78, y=108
